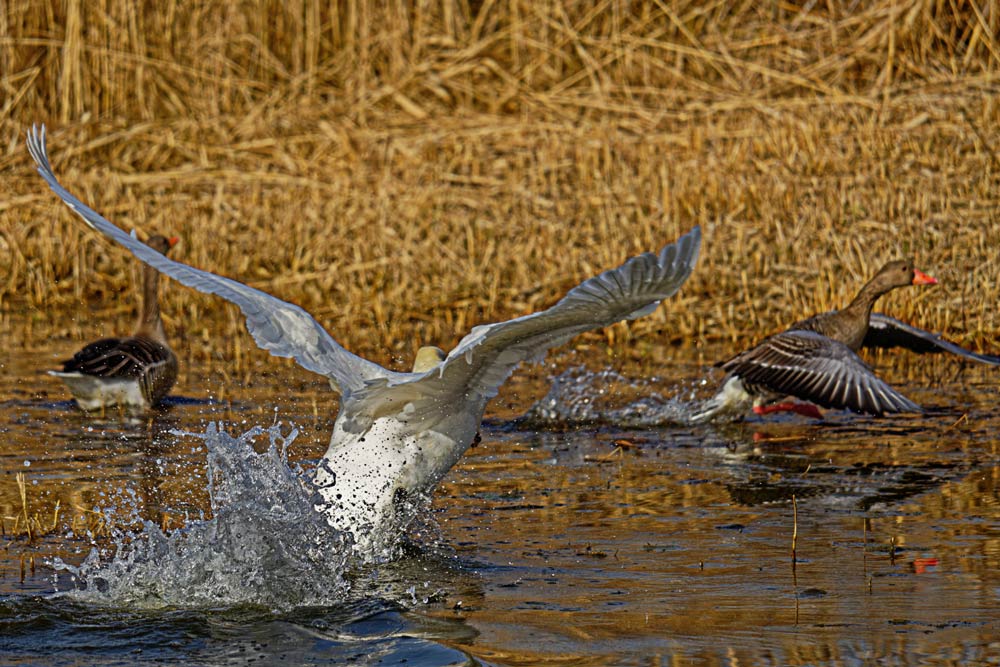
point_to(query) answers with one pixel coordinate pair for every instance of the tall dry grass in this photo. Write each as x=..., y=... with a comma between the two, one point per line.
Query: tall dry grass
x=404, y=170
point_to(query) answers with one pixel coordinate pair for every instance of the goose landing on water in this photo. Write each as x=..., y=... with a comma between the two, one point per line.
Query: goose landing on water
x=133, y=372
x=816, y=359
x=397, y=434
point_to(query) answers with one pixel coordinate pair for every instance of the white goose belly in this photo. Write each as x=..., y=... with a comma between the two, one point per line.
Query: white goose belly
x=94, y=393
x=362, y=476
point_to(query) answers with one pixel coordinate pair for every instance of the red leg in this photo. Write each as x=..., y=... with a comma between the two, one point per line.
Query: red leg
x=805, y=409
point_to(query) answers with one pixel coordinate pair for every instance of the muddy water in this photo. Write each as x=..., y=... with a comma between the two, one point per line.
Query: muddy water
x=580, y=544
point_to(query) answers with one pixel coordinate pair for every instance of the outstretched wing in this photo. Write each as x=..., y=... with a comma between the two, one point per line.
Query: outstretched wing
x=486, y=357
x=885, y=331
x=281, y=328
x=818, y=369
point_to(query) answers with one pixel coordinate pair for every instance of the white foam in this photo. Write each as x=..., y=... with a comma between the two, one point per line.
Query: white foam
x=265, y=543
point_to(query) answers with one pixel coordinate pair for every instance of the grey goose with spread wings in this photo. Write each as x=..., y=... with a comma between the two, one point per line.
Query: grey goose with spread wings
x=816, y=360
x=396, y=433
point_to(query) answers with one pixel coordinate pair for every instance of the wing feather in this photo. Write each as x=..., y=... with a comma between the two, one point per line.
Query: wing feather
x=118, y=357
x=281, y=328
x=886, y=332
x=815, y=368
x=485, y=358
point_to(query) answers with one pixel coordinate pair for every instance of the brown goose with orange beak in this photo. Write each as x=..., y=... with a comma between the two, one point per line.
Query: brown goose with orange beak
x=136, y=371
x=816, y=359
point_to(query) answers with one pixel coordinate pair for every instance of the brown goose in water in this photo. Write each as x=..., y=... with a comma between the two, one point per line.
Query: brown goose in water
x=816, y=359
x=136, y=371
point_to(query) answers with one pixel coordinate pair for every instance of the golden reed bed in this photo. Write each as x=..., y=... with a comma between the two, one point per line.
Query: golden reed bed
x=405, y=170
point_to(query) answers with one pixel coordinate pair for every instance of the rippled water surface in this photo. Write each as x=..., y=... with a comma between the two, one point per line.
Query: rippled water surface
x=593, y=532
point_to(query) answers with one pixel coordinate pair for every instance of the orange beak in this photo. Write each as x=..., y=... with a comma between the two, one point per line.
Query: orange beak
x=921, y=278
x=174, y=239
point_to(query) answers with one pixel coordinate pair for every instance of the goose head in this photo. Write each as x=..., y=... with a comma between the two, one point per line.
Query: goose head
x=427, y=358
x=899, y=273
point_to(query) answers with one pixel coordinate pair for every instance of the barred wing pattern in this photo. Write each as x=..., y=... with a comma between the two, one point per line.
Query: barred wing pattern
x=117, y=357
x=815, y=368
x=148, y=363
x=281, y=328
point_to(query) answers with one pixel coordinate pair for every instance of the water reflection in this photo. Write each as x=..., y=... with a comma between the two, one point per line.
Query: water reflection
x=590, y=543
x=670, y=561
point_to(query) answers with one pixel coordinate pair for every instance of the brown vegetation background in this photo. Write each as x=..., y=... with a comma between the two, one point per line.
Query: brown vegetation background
x=404, y=170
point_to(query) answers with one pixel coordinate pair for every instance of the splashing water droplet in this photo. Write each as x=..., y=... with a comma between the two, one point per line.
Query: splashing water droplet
x=579, y=396
x=265, y=543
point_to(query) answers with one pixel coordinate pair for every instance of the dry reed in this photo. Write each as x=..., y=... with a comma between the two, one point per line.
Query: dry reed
x=404, y=172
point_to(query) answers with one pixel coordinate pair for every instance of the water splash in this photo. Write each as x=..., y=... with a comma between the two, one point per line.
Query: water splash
x=267, y=541
x=579, y=396
x=265, y=544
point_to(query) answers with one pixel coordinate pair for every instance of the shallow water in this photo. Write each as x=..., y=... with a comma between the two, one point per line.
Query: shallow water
x=580, y=543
